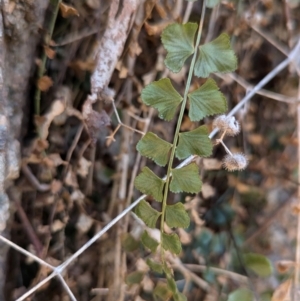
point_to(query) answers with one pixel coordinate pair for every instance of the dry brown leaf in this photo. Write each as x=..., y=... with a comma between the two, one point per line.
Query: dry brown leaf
x=40, y=145
x=67, y=10
x=84, y=166
x=57, y=225
x=155, y=29
x=184, y=237
x=10, y=7
x=49, y=52
x=161, y=11
x=84, y=223
x=282, y=292
x=56, y=186
x=44, y=83
x=196, y=218
x=60, y=206
x=77, y=196
x=135, y=49
x=186, y=124
x=44, y=123
x=71, y=179
x=93, y=4
x=147, y=284
x=54, y=160
x=88, y=65
x=94, y=120
x=33, y=159
x=284, y=265
x=123, y=72
x=207, y=191
x=256, y=139
x=39, y=120
x=295, y=209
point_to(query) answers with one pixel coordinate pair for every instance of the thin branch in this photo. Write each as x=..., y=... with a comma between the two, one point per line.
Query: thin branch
x=270, y=40
x=262, y=92
x=33, y=180
x=28, y=228
x=230, y=274
x=177, y=264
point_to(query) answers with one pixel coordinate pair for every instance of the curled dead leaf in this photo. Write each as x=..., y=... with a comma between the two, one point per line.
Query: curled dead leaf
x=296, y=209
x=207, y=191
x=71, y=179
x=88, y=65
x=83, y=168
x=56, y=186
x=282, y=292
x=284, y=265
x=57, y=225
x=77, y=196
x=54, y=160
x=84, y=223
x=32, y=159
x=49, y=52
x=155, y=29
x=67, y=10
x=44, y=83
x=94, y=120
x=184, y=237
x=40, y=145
x=44, y=123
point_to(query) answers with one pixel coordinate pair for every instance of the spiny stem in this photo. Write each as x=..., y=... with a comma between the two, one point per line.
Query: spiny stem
x=187, y=88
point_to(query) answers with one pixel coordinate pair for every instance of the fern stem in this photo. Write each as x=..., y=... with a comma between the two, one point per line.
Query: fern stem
x=175, y=140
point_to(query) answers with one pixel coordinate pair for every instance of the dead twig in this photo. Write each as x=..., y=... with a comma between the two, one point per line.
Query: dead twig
x=33, y=180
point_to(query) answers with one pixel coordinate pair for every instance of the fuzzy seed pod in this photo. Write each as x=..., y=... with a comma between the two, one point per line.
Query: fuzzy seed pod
x=235, y=162
x=228, y=124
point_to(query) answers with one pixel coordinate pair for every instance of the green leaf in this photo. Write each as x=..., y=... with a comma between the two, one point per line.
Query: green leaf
x=212, y=3
x=259, y=264
x=179, y=297
x=162, y=96
x=241, y=294
x=206, y=101
x=149, y=183
x=145, y=212
x=186, y=179
x=215, y=56
x=155, y=266
x=178, y=40
x=135, y=277
x=195, y=142
x=149, y=242
x=151, y=146
x=176, y=216
x=162, y=292
x=171, y=284
x=171, y=242
x=129, y=243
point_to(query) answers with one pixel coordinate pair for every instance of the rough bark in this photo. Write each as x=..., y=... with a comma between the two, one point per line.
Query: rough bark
x=21, y=22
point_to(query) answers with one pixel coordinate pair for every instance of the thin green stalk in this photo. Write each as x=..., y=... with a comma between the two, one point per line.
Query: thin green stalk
x=187, y=88
x=41, y=70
